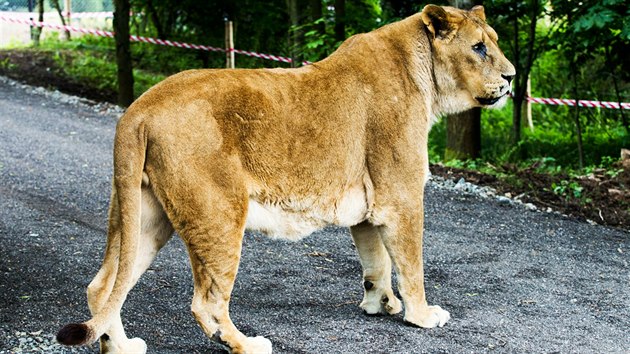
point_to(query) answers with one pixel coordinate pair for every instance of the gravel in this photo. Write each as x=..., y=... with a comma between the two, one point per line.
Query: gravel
x=515, y=279
x=32, y=342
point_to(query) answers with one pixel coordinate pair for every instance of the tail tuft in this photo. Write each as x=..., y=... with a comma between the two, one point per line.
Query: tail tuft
x=74, y=334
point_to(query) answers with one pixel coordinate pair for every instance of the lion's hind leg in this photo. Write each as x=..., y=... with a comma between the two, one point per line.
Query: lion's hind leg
x=378, y=296
x=156, y=231
x=210, y=218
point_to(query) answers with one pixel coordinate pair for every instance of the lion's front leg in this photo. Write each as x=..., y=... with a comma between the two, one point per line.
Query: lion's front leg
x=402, y=237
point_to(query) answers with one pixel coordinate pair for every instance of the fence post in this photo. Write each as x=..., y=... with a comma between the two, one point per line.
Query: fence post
x=67, y=4
x=229, y=44
x=528, y=105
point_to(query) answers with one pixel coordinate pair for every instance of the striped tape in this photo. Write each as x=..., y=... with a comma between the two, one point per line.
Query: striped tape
x=14, y=14
x=580, y=103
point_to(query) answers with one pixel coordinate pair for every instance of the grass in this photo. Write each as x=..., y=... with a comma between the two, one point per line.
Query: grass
x=92, y=60
x=552, y=144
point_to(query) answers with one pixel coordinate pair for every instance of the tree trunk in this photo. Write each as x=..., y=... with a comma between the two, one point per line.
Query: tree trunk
x=463, y=130
x=401, y=8
x=56, y=6
x=316, y=14
x=576, y=116
x=340, y=20
x=155, y=18
x=294, y=32
x=611, y=67
x=578, y=129
x=516, y=98
x=123, y=52
x=37, y=31
x=523, y=68
x=463, y=135
x=517, y=112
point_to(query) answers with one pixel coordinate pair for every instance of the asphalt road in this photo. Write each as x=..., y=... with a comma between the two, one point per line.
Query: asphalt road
x=514, y=280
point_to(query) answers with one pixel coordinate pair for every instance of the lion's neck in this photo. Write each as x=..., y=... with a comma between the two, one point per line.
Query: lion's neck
x=397, y=60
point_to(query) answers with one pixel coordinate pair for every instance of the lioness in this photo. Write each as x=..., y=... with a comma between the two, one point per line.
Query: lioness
x=210, y=153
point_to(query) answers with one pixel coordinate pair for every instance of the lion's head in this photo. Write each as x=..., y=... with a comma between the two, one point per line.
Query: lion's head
x=467, y=60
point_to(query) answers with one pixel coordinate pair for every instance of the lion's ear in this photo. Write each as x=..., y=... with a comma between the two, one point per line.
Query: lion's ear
x=440, y=23
x=479, y=12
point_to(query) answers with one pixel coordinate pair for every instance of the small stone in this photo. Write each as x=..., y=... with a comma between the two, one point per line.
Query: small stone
x=504, y=200
x=461, y=184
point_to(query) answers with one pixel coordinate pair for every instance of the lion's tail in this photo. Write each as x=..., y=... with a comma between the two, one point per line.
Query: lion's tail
x=129, y=157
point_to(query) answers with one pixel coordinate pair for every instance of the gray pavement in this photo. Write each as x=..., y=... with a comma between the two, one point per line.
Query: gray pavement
x=514, y=280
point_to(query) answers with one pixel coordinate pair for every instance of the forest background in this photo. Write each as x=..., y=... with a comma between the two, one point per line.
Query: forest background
x=561, y=49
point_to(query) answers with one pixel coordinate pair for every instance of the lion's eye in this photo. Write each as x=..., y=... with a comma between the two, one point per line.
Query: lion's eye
x=480, y=49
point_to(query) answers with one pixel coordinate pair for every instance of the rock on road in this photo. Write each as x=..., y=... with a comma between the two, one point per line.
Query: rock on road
x=514, y=280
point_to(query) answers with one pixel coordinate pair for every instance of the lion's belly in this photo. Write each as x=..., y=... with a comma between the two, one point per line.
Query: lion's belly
x=295, y=223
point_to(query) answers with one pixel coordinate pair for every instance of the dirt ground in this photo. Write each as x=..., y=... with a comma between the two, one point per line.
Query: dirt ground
x=604, y=199
x=38, y=68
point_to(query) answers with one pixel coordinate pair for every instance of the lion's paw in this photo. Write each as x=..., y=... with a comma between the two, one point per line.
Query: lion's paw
x=129, y=346
x=392, y=306
x=136, y=345
x=258, y=345
x=374, y=303
x=429, y=317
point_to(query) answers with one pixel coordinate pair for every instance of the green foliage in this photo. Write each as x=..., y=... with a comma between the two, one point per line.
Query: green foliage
x=551, y=145
x=437, y=142
x=361, y=16
x=317, y=45
x=6, y=64
x=568, y=189
x=91, y=60
x=97, y=72
x=609, y=15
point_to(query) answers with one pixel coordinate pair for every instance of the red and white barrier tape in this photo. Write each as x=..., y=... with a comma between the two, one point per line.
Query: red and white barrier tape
x=111, y=34
x=56, y=26
x=146, y=39
x=581, y=103
x=267, y=56
x=551, y=101
x=166, y=42
x=54, y=14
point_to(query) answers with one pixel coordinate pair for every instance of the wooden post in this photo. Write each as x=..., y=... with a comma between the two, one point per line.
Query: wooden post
x=528, y=106
x=229, y=44
x=67, y=4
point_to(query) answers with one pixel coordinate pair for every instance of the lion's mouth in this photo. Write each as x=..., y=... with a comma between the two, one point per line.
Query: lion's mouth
x=488, y=101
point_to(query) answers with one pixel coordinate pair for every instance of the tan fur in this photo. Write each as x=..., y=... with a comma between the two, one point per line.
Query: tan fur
x=343, y=141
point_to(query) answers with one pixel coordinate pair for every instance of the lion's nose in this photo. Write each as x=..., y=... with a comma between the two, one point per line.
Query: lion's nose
x=508, y=78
